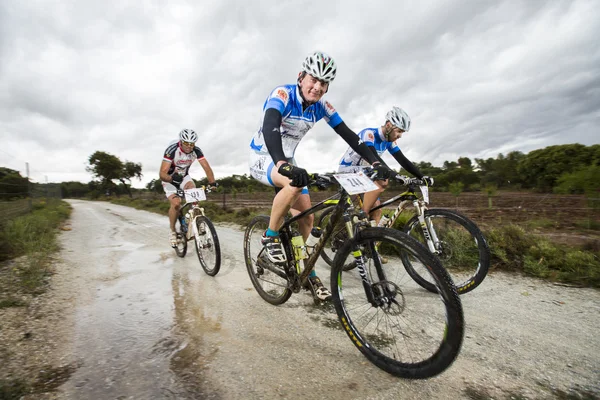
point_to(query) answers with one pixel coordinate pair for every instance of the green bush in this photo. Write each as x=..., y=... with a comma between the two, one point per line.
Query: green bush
x=514, y=249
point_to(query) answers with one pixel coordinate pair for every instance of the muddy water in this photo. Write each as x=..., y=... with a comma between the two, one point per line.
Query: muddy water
x=140, y=325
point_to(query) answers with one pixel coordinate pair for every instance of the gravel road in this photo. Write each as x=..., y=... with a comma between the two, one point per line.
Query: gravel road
x=140, y=323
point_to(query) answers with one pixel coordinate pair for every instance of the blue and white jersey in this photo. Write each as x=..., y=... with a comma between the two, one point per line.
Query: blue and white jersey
x=295, y=122
x=372, y=137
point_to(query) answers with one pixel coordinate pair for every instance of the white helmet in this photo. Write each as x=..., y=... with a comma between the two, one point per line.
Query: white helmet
x=399, y=118
x=320, y=65
x=188, y=135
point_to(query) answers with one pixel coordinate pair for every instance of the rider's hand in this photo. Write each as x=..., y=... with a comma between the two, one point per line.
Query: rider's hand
x=298, y=175
x=213, y=186
x=176, y=179
x=381, y=172
x=428, y=180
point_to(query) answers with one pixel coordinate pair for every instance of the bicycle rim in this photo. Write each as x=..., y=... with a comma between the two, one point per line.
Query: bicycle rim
x=416, y=335
x=207, y=246
x=461, y=248
x=267, y=278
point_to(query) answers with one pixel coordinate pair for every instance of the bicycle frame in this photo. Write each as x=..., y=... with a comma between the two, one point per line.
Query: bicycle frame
x=353, y=219
x=197, y=211
x=420, y=206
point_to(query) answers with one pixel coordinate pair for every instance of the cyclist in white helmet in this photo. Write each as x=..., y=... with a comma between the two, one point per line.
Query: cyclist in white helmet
x=178, y=157
x=379, y=140
x=289, y=113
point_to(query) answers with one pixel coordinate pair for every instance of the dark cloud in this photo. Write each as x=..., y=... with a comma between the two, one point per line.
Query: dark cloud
x=477, y=77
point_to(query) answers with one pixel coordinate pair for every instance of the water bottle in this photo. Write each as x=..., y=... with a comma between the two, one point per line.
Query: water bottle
x=313, y=239
x=299, y=246
x=384, y=220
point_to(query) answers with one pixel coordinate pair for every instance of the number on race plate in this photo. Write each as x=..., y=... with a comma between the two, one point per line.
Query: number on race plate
x=196, y=194
x=425, y=191
x=355, y=183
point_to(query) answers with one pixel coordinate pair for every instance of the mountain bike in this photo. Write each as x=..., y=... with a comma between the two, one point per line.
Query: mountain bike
x=451, y=236
x=381, y=308
x=194, y=224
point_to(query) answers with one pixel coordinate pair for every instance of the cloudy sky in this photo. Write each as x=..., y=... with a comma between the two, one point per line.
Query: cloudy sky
x=477, y=77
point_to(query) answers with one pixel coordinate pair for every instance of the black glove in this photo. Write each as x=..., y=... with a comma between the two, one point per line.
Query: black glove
x=176, y=179
x=428, y=180
x=298, y=175
x=381, y=172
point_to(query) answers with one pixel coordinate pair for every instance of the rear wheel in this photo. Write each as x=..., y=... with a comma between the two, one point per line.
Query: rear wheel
x=269, y=280
x=461, y=247
x=402, y=330
x=207, y=245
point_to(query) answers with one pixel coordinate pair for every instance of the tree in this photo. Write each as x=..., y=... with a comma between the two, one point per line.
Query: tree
x=13, y=185
x=541, y=168
x=109, y=168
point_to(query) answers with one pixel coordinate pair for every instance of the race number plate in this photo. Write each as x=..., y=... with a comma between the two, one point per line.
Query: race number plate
x=196, y=194
x=355, y=183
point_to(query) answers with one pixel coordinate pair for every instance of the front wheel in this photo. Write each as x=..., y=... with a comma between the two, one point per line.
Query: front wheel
x=207, y=245
x=269, y=280
x=396, y=326
x=461, y=247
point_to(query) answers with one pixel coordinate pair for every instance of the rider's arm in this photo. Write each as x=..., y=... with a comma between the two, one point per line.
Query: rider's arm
x=207, y=170
x=164, y=171
x=407, y=165
x=271, y=132
x=357, y=145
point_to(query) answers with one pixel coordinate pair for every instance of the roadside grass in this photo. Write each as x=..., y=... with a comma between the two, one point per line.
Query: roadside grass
x=32, y=239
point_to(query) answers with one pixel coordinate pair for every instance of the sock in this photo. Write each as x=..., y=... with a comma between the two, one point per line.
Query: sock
x=271, y=232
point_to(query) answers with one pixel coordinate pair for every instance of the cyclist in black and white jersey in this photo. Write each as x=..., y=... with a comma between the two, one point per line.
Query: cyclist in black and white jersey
x=174, y=172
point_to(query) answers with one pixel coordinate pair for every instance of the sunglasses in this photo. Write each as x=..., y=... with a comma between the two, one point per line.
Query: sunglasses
x=189, y=144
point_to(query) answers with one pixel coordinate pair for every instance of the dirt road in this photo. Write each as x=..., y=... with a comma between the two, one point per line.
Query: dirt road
x=140, y=323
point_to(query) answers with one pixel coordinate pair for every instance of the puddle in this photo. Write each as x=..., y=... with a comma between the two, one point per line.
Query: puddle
x=143, y=335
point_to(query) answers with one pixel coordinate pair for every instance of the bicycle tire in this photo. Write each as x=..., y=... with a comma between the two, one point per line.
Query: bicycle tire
x=409, y=319
x=181, y=248
x=468, y=265
x=338, y=237
x=269, y=280
x=206, y=245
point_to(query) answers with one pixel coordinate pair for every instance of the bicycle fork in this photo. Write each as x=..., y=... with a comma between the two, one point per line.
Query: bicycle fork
x=380, y=293
x=428, y=230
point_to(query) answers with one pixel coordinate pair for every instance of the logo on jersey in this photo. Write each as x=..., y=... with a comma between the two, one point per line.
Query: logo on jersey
x=282, y=95
x=329, y=108
x=370, y=137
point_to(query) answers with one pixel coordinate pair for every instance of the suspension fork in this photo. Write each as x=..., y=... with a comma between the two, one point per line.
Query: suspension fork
x=427, y=227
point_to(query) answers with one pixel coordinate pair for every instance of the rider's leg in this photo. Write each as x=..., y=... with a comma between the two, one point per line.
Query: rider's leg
x=283, y=201
x=174, y=210
x=371, y=199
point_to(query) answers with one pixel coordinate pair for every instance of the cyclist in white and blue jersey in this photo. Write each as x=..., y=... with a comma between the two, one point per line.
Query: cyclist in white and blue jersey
x=290, y=112
x=379, y=140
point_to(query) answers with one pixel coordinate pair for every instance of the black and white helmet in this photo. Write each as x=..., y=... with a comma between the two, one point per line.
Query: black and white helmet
x=399, y=118
x=320, y=65
x=188, y=135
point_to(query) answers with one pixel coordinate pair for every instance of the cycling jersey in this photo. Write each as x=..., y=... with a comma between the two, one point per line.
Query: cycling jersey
x=295, y=122
x=372, y=137
x=181, y=161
